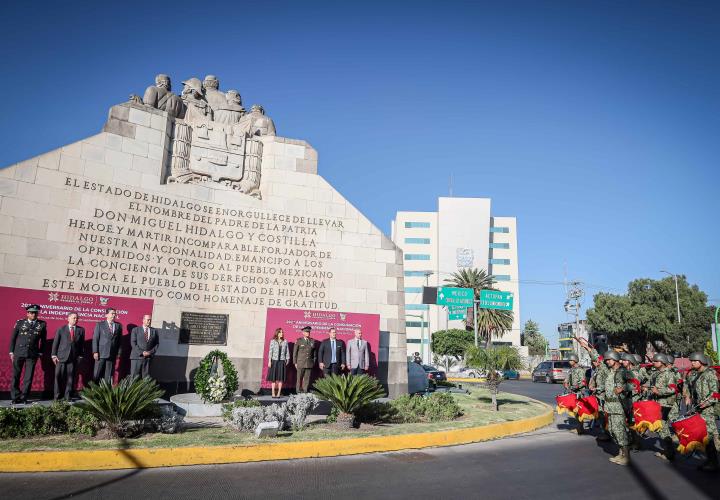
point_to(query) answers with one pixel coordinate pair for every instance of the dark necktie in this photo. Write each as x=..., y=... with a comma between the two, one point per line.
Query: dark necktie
x=72, y=334
x=147, y=335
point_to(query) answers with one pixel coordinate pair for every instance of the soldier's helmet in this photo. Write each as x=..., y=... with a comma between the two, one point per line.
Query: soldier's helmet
x=612, y=354
x=670, y=358
x=658, y=356
x=638, y=359
x=698, y=356
x=573, y=357
x=626, y=356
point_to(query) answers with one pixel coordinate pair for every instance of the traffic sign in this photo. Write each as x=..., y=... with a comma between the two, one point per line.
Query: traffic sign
x=449, y=296
x=453, y=316
x=492, y=299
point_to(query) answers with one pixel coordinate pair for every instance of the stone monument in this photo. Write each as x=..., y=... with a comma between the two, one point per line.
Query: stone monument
x=198, y=206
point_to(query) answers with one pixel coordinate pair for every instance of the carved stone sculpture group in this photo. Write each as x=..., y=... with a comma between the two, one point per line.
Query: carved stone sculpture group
x=214, y=138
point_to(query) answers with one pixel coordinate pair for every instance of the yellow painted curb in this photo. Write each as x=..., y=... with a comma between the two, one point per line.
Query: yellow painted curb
x=78, y=460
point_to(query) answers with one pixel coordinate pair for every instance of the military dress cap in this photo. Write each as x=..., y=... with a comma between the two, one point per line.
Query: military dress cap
x=307, y=329
x=638, y=359
x=698, y=356
x=33, y=308
x=612, y=354
x=573, y=357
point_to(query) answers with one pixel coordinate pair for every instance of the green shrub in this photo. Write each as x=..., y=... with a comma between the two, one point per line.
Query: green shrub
x=438, y=407
x=332, y=417
x=12, y=423
x=240, y=403
x=441, y=407
x=80, y=421
x=119, y=407
x=376, y=413
x=348, y=393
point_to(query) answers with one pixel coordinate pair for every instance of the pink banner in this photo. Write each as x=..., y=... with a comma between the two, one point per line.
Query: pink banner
x=56, y=305
x=293, y=320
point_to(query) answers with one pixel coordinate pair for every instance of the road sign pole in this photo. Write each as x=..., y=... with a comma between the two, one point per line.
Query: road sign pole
x=475, y=312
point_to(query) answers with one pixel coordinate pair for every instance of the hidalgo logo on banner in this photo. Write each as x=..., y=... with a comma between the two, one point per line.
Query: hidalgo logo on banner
x=56, y=305
x=345, y=323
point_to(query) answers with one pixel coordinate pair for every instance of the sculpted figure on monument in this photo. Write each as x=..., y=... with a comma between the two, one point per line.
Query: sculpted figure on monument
x=161, y=97
x=232, y=111
x=255, y=123
x=198, y=111
x=213, y=96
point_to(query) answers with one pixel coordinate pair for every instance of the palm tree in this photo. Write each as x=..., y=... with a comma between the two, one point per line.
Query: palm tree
x=492, y=361
x=489, y=321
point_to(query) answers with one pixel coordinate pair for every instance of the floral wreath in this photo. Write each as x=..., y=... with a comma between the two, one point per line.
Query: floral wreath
x=216, y=378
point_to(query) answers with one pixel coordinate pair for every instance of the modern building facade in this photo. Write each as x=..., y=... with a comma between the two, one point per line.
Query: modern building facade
x=567, y=344
x=461, y=234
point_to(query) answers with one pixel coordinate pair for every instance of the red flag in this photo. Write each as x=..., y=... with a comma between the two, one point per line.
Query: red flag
x=647, y=416
x=636, y=383
x=692, y=433
x=587, y=408
x=566, y=403
x=674, y=388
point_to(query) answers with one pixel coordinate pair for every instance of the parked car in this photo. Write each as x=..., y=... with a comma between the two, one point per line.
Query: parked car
x=434, y=375
x=511, y=374
x=551, y=371
x=466, y=372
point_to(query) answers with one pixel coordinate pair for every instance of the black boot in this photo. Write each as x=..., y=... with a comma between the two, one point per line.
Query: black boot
x=668, y=452
x=711, y=464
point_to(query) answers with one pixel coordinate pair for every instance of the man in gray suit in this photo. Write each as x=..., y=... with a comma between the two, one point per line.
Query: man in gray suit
x=67, y=351
x=358, y=354
x=144, y=341
x=106, y=346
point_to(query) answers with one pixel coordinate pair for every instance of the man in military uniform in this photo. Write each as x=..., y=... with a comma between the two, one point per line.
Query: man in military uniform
x=575, y=383
x=615, y=403
x=597, y=385
x=634, y=390
x=26, y=346
x=661, y=390
x=702, y=388
x=304, y=357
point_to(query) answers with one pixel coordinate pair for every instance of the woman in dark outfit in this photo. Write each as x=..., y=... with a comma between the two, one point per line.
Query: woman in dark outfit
x=277, y=361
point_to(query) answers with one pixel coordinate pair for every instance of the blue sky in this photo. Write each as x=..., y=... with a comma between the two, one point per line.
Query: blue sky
x=596, y=124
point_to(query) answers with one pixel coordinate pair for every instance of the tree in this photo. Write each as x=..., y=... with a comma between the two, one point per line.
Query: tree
x=492, y=360
x=489, y=321
x=452, y=342
x=533, y=339
x=647, y=313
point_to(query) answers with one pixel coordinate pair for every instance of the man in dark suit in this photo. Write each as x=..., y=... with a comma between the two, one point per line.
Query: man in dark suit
x=67, y=350
x=144, y=341
x=332, y=354
x=26, y=345
x=106, y=346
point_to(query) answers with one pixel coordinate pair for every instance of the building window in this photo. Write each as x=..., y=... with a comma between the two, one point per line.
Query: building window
x=417, y=256
x=500, y=245
x=413, y=289
x=410, y=225
x=417, y=241
x=416, y=324
x=499, y=229
x=504, y=262
x=412, y=341
x=417, y=273
x=501, y=277
x=416, y=307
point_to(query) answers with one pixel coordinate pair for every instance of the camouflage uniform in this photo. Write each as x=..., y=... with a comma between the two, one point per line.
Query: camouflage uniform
x=678, y=381
x=615, y=405
x=665, y=397
x=575, y=383
x=701, y=388
x=597, y=383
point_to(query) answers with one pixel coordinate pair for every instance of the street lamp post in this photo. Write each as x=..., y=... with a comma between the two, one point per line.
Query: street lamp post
x=677, y=295
x=422, y=333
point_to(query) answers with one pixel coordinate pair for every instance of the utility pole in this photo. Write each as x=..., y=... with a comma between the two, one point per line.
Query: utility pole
x=573, y=303
x=677, y=295
x=422, y=350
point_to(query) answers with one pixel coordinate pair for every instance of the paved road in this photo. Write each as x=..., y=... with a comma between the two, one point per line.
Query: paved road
x=550, y=463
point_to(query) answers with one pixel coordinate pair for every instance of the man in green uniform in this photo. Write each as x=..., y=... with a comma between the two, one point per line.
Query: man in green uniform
x=661, y=390
x=615, y=402
x=27, y=343
x=597, y=385
x=575, y=383
x=304, y=357
x=629, y=362
x=678, y=386
x=702, y=391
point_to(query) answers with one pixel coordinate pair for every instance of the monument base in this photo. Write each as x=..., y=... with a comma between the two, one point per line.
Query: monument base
x=191, y=405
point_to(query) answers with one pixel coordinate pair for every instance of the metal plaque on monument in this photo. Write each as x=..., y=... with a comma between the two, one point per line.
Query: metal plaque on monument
x=203, y=328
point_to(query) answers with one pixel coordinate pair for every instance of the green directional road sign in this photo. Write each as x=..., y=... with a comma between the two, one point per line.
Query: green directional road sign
x=491, y=299
x=449, y=296
x=453, y=316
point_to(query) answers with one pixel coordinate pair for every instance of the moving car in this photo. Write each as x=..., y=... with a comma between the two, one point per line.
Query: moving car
x=551, y=371
x=511, y=375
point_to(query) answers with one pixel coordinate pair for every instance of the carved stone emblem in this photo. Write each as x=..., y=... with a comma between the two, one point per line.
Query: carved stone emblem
x=213, y=139
x=464, y=257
